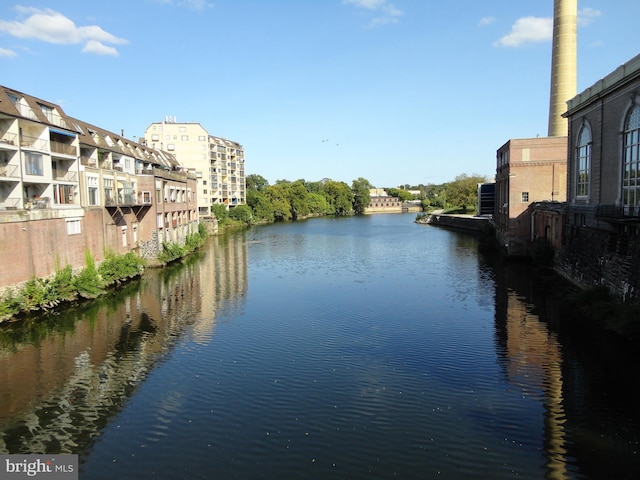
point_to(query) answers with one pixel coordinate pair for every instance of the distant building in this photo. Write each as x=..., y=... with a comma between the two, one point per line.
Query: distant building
x=602, y=230
x=528, y=170
x=218, y=163
x=486, y=198
x=381, y=202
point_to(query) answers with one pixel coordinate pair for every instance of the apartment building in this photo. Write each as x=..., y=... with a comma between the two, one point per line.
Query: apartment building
x=68, y=187
x=602, y=222
x=528, y=171
x=219, y=164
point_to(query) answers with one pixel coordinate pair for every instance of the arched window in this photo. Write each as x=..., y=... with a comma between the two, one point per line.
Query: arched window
x=583, y=173
x=630, y=178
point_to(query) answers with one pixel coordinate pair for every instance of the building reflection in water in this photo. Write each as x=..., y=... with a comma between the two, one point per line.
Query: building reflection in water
x=531, y=356
x=63, y=377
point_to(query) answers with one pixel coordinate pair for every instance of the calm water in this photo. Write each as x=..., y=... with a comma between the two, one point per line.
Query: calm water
x=356, y=348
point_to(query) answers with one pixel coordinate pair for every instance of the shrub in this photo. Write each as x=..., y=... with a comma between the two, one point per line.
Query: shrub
x=242, y=213
x=88, y=282
x=116, y=268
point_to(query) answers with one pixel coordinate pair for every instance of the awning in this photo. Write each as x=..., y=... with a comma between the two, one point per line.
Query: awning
x=62, y=132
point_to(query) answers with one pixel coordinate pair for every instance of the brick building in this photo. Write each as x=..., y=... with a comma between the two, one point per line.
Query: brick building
x=602, y=226
x=68, y=187
x=528, y=170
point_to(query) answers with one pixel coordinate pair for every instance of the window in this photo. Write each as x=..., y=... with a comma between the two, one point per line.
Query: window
x=92, y=186
x=108, y=191
x=171, y=147
x=146, y=198
x=184, y=138
x=630, y=180
x=124, y=236
x=525, y=197
x=63, y=194
x=73, y=226
x=159, y=222
x=202, y=138
x=584, y=161
x=33, y=163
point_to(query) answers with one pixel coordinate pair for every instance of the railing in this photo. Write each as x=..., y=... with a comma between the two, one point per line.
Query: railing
x=63, y=148
x=65, y=175
x=39, y=203
x=11, y=171
x=56, y=119
x=618, y=211
x=88, y=162
x=10, y=204
x=9, y=138
x=127, y=199
x=33, y=142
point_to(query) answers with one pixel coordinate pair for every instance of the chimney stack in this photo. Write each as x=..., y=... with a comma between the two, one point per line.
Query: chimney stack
x=563, y=63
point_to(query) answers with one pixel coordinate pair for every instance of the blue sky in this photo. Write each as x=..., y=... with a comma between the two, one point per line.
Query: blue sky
x=395, y=91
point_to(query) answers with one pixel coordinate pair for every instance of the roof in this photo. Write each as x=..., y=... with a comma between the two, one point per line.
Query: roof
x=620, y=76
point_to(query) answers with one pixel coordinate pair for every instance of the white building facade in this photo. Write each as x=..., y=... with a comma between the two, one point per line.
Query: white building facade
x=219, y=164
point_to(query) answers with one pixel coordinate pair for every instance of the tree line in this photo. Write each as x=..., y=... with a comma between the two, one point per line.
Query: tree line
x=291, y=200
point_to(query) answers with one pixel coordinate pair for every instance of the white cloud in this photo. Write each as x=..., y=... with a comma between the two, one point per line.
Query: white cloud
x=99, y=48
x=52, y=27
x=370, y=4
x=527, y=30
x=486, y=21
x=586, y=16
x=386, y=12
x=192, y=4
x=4, y=52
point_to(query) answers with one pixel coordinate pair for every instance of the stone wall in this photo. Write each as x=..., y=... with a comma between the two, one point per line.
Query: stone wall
x=591, y=257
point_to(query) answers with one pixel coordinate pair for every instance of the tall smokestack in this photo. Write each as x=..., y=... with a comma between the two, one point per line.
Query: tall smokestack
x=564, y=53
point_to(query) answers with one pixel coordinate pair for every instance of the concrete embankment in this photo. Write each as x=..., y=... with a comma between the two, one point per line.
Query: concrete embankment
x=459, y=222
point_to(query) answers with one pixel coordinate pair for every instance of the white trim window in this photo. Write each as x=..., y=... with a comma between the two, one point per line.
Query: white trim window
x=74, y=227
x=631, y=159
x=583, y=173
x=93, y=191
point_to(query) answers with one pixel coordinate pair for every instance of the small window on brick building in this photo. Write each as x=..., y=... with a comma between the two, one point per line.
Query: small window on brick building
x=73, y=227
x=525, y=196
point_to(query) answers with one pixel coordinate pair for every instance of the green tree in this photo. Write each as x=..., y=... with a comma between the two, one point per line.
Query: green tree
x=463, y=191
x=403, y=195
x=242, y=213
x=318, y=204
x=298, y=199
x=339, y=197
x=278, y=195
x=256, y=182
x=261, y=206
x=361, y=195
x=220, y=212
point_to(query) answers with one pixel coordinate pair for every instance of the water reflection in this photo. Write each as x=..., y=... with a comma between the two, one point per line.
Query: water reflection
x=531, y=357
x=64, y=377
x=398, y=350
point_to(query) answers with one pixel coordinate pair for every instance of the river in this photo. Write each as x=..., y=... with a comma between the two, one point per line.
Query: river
x=345, y=348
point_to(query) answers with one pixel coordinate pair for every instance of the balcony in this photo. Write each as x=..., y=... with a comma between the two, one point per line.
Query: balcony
x=10, y=204
x=88, y=161
x=618, y=213
x=62, y=148
x=66, y=175
x=34, y=143
x=37, y=203
x=9, y=139
x=10, y=171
